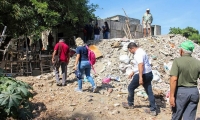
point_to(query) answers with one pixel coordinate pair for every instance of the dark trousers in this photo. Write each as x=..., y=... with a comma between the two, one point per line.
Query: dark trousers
x=64, y=73
x=147, y=78
x=187, y=100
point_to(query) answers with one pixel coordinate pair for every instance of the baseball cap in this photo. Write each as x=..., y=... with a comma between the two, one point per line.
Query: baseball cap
x=187, y=45
x=148, y=9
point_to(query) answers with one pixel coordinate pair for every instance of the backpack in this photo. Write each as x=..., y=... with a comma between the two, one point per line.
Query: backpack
x=91, y=57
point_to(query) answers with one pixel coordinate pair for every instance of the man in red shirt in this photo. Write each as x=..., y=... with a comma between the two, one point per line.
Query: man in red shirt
x=64, y=60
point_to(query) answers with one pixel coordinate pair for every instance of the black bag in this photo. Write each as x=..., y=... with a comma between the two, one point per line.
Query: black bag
x=78, y=74
x=57, y=57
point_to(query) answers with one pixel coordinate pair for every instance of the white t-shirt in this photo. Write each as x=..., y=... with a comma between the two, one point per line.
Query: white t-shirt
x=140, y=56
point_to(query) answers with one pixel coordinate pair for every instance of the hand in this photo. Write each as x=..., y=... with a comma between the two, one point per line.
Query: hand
x=141, y=81
x=52, y=60
x=131, y=75
x=67, y=62
x=172, y=101
x=75, y=68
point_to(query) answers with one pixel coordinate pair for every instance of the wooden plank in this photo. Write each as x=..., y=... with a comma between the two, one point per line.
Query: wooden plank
x=96, y=51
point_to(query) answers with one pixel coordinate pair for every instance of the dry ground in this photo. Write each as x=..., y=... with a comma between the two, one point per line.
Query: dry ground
x=63, y=103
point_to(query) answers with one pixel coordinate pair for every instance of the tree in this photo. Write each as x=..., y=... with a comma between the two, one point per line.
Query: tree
x=188, y=32
x=33, y=16
x=175, y=30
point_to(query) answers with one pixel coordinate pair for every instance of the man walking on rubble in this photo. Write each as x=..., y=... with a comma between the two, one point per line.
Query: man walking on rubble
x=147, y=19
x=142, y=76
x=63, y=53
x=184, y=94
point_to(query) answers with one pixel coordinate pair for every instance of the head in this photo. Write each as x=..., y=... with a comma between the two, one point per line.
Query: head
x=148, y=10
x=106, y=24
x=132, y=47
x=61, y=40
x=79, y=42
x=96, y=25
x=186, y=47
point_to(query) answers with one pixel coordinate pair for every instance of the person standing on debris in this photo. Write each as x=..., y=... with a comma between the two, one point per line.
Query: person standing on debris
x=83, y=65
x=106, y=30
x=90, y=31
x=63, y=50
x=142, y=76
x=85, y=34
x=97, y=30
x=147, y=19
x=184, y=94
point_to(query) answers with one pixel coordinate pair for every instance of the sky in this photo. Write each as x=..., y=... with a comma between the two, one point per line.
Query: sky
x=166, y=13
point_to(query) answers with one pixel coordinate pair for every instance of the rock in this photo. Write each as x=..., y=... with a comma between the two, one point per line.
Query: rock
x=110, y=90
x=117, y=104
x=114, y=112
x=71, y=109
x=38, y=77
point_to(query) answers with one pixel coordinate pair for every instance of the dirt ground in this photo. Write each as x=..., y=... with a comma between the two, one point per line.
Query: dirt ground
x=53, y=102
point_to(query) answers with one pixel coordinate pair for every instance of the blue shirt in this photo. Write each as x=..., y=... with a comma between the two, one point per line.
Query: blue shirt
x=82, y=50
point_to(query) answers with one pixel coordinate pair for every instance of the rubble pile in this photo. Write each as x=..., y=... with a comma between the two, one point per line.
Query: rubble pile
x=117, y=62
x=112, y=81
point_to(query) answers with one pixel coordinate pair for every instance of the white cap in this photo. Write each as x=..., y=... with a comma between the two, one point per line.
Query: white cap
x=148, y=9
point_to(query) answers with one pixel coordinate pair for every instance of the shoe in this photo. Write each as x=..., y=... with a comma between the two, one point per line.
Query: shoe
x=64, y=84
x=94, y=89
x=153, y=113
x=78, y=90
x=127, y=106
x=58, y=84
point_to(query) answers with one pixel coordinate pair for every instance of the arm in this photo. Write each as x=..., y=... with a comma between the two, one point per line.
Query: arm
x=173, y=84
x=68, y=56
x=76, y=62
x=53, y=55
x=139, y=59
x=54, y=52
x=140, y=68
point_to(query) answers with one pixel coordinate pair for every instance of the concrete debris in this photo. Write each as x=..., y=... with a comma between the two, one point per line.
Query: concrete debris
x=117, y=63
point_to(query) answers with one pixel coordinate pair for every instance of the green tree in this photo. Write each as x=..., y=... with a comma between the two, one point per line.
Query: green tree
x=33, y=16
x=175, y=30
x=188, y=32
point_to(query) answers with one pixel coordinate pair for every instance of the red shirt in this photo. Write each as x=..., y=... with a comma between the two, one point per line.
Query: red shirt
x=64, y=51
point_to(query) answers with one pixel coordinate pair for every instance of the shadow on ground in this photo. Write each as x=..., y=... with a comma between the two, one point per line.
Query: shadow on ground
x=75, y=116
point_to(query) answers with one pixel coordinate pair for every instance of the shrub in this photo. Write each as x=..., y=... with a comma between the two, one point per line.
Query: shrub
x=14, y=99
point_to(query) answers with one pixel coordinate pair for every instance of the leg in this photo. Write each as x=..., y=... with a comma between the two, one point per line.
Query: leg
x=191, y=109
x=149, y=29
x=95, y=37
x=144, y=29
x=144, y=32
x=181, y=100
x=98, y=37
x=132, y=86
x=106, y=35
x=64, y=72
x=87, y=73
x=148, y=88
x=56, y=70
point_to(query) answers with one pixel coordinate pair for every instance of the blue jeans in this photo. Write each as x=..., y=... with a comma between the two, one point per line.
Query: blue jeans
x=147, y=78
x=85, y=67
x=106, y=35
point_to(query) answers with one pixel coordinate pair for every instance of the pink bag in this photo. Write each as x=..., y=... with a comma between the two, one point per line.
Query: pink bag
x=91, y=57
x=106, y=80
